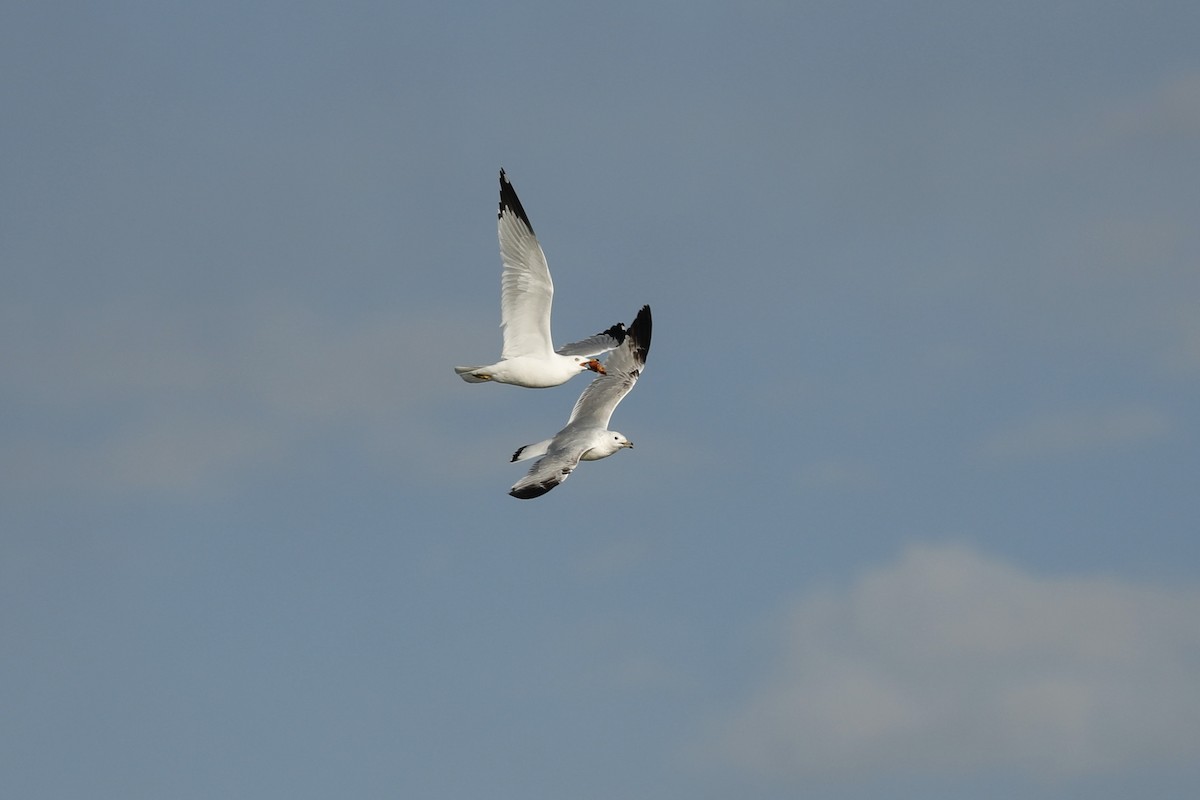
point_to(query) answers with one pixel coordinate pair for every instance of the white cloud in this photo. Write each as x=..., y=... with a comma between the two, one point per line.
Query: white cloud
x=948, y=661
x=1060, y=435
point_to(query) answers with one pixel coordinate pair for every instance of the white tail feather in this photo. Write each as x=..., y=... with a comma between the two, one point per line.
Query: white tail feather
x=531, y=451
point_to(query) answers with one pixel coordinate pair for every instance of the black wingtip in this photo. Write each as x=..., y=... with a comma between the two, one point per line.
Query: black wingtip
x=530, y=492
x=510, y=201
x=517, y=454
x=617, y=332
x=639, y=331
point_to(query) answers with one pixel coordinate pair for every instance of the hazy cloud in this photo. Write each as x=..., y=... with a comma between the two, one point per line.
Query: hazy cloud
x=837, y=474
x=949, y=661
x=1169, y=109
x=1059, y=435
x=175, y=398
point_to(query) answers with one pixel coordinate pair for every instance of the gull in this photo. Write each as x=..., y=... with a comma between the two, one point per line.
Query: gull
x=526, y=291
x=586, y=436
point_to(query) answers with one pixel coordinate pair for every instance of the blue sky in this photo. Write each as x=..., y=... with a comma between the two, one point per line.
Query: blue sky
x=913, y=506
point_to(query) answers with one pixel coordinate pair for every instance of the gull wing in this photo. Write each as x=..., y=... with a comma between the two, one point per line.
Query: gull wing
x=547, y=472
x=526, y=290
x=602, y=342
x=598, y=401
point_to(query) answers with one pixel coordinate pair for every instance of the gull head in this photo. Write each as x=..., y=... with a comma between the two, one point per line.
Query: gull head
x=619, y=440
x=604, y=443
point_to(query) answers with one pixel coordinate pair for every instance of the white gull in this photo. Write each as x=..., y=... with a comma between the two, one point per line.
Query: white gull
x=526, y=292
x=586, y=436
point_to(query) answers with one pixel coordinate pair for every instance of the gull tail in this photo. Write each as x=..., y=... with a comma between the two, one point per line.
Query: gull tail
x=467, y=374
x=531, y=451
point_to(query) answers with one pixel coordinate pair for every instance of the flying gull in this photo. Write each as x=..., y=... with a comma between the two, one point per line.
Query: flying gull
x=526, y=291
x=586, y=436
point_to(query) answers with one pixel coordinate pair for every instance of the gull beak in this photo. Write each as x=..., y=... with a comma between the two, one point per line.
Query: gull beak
x=595, y=366
x=629, y=445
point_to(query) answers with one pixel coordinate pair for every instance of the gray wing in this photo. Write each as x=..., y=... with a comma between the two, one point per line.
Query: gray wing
x=598, y=401
x=526, y=291
x=602, y=342
x=547, y=472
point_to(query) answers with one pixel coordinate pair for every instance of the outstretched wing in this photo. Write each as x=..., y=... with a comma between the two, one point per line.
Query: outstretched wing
x=526, y=291
x=547, y=472
x=598, y=401
x=602, y=342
